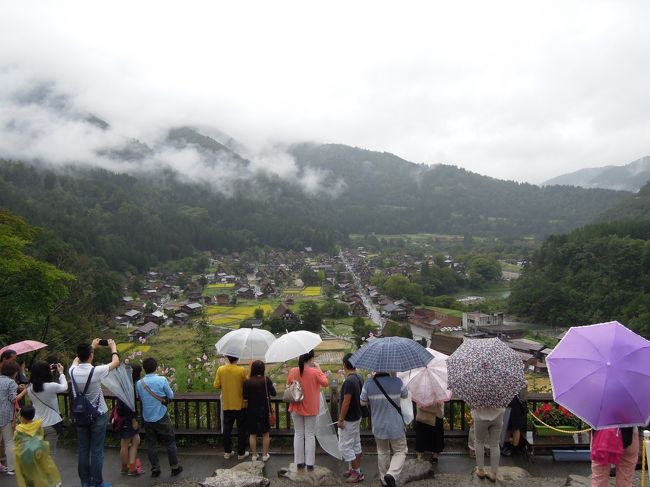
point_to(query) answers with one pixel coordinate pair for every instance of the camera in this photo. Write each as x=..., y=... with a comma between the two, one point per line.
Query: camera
x=53, y=366
x=103, y=342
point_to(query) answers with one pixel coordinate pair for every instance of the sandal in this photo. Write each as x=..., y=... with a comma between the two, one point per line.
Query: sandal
x=479, y=474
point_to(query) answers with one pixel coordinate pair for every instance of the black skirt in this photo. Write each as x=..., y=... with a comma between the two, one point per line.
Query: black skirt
x=429, y=438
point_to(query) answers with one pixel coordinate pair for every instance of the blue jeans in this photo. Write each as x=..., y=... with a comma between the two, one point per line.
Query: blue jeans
x=90, y=441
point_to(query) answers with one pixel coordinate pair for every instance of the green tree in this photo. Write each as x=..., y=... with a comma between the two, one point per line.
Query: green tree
x=360, y=330
x=311, y=317
x=30, y=289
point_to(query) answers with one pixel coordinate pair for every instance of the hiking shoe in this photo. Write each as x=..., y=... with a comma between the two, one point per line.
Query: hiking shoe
x=176, y=471
x=389, y=480
x=355, y=477
x=243, y=456
x=228, y=456
x=265, y=458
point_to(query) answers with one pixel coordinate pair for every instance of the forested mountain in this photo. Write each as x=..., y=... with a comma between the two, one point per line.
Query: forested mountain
x=157, y=214
x=630, y=177
x=595, y=274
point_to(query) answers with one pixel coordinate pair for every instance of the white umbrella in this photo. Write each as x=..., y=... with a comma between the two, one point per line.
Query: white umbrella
x=428, y=384
x=245, y=343
x=292, y=345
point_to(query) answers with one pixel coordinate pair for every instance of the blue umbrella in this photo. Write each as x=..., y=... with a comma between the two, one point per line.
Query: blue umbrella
x=391, y=354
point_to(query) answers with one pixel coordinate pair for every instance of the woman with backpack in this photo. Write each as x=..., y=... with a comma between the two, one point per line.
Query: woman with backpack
x=126, y=424
x=42, y=392
x=303, y=413
x=258, y=391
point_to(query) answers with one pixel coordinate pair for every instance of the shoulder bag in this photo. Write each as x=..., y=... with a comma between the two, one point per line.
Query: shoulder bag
x=272, y=417
x=58, y=427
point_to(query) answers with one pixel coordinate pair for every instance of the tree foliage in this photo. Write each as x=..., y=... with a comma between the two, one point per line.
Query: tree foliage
x=595, y=274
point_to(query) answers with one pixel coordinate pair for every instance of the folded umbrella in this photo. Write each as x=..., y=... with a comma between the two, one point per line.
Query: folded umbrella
x=428, y=385
x=601, y=374
x=292, y=345
x=485, y=373
x=245, y=343
x=120, y=382
x=25, y=346
x=391, y=354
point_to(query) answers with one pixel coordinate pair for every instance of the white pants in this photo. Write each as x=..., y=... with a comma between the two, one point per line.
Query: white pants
x=350, y=440
x=8, y=440
x=304, y=439
x=386, y=464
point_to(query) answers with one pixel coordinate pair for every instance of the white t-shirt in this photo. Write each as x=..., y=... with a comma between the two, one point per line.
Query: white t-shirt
x=80, y=377
x=46, y=403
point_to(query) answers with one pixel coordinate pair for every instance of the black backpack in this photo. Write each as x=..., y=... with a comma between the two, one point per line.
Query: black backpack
x=83, y=412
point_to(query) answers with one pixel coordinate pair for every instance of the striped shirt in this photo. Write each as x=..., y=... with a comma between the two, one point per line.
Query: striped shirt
x=387, y=423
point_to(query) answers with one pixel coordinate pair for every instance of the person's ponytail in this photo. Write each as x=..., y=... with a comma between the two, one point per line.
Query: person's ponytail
x=305, y=357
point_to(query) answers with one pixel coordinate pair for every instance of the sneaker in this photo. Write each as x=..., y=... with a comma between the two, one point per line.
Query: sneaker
x=125, y=470
x=254, y=457
x=300, y=466
x=265, y=458
x=244, y=455
x=348, y=472
x=355, y=477
x=133, y=473
x=155, y=473
x=310, y=468
x=176, y=471
x=228, y=456
x=389, y=480
x=10, y=472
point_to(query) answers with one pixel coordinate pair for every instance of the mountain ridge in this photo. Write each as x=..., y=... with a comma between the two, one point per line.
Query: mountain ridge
x=629, y=177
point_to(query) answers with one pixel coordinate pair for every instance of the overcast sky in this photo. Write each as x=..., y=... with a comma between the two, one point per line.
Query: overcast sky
x=515, y=90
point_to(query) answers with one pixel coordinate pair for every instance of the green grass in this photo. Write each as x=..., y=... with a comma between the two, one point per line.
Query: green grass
x=448, y=311
x=506, y=266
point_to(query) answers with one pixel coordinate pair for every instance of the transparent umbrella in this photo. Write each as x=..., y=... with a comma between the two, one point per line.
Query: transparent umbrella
x=245, y=343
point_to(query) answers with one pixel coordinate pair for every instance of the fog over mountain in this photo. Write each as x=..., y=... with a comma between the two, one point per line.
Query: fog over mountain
x=514, y=90
x=630, y=177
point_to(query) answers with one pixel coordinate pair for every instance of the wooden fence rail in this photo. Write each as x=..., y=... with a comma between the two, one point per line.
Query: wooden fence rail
x=198, y=414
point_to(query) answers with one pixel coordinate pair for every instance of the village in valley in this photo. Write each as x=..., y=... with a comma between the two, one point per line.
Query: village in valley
x=180, y=315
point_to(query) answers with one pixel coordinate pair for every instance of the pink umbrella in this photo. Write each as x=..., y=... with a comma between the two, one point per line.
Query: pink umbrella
x=428, y=384
x=24, y=347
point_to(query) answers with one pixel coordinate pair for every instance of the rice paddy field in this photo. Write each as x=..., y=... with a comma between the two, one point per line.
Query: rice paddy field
x=220, y=288
x=232, y=316
x=307, y=292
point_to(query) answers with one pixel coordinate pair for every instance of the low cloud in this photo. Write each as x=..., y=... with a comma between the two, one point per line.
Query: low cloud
x=38, y=122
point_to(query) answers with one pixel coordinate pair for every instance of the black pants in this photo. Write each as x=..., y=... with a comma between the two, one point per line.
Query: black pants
x=229, y=418
x=161, y=432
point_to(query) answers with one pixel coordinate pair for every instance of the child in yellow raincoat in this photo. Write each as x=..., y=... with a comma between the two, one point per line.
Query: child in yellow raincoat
x=34, y=465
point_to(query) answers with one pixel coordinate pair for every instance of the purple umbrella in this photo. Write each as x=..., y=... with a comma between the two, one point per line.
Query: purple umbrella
x=601, y=374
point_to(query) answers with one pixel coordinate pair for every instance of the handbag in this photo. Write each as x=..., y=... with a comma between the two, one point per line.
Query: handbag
x=294, y=393
x=426, y=417
x=607, y=446
x=272, y=417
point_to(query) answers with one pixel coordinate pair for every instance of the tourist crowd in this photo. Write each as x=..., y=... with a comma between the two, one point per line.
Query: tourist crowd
x=246, y=402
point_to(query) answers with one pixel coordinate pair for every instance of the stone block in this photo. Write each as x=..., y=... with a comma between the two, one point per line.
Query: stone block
x=320, y=476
